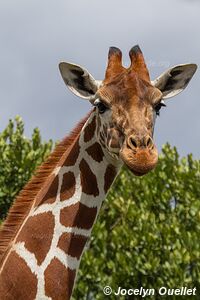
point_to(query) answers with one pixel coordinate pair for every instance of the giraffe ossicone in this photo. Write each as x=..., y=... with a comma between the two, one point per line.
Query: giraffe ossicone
x=44, y=235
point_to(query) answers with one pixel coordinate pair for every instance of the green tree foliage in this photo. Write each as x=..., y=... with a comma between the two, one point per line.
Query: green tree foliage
x=19, y=157
x=147, y=234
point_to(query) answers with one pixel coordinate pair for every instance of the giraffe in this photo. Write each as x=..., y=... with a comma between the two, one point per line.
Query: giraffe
x=44, y=236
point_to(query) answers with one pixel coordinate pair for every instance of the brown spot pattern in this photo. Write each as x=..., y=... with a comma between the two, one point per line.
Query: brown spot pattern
x=72, y=244
x=59, y=281
x=73, y=155
x=109, y=177
x=96, y=152
x=16, y=280
x=37, y=234
x=88, y=179
x=68, y=186
x=51, y=194
x=78, y=215
x=90, y=130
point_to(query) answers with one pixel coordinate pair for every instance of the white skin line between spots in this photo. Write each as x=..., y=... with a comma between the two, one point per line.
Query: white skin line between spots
x=67, y=260
x=76, y=230
x=31, y=262
x=28, y=257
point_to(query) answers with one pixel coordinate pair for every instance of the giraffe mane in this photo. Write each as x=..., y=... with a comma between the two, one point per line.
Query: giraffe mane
x=23, y=202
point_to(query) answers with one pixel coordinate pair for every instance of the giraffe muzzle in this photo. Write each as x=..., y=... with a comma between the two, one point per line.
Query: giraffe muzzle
x=139, y=158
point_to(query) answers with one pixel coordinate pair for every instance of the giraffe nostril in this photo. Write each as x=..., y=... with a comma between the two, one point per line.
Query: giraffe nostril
x=133, y=142
x=149, y=142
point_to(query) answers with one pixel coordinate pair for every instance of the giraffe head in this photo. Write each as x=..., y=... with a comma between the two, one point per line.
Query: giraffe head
x=127, y=103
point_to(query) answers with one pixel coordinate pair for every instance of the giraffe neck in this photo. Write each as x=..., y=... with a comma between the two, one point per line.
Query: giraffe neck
x=49, y=245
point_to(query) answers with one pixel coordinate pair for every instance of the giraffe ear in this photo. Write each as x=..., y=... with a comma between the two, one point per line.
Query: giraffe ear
x=175, y=80
x=79, y=80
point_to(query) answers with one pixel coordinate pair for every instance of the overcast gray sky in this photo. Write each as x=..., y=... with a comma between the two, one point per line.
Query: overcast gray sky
x=36, y=35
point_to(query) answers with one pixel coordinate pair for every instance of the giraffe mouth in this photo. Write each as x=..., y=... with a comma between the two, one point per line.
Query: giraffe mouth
x=137, y=173
x=140, y=162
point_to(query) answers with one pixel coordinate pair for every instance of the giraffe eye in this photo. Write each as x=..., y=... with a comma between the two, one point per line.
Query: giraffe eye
x=158, y=106
x=101, y=106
